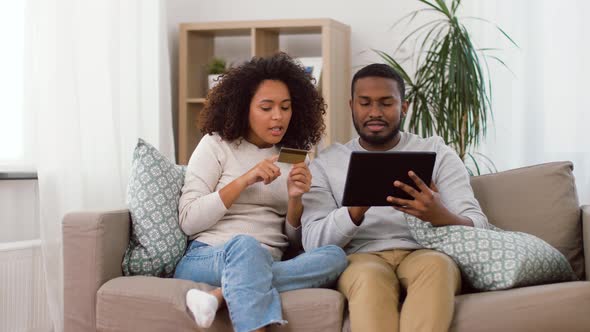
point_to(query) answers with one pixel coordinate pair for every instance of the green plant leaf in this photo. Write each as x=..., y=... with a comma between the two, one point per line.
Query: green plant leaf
x=507, y=36
x=216, y=66
x=431, y=5
x=412, y=15
x=415, y=31
x=497, y=27
x=477, y=171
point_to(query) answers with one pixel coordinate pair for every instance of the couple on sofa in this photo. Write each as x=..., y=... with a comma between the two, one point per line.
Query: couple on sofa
x=242, y=208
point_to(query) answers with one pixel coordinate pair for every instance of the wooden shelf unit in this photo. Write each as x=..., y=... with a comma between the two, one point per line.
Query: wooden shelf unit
x=196, y=49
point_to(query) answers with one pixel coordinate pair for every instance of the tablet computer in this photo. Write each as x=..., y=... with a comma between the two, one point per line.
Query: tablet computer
x=371, y=175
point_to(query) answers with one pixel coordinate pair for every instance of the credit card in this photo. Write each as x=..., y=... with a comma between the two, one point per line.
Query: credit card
x=292, y=156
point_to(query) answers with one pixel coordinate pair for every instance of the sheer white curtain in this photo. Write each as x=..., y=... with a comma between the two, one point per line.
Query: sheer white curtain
x=542, y=109
x=18, y=213
x=99, y=79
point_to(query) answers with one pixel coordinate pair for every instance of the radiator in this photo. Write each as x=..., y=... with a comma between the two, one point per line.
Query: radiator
x=23, y=304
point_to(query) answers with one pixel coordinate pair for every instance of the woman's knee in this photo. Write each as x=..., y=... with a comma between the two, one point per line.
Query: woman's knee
x=242, y=241
x=337, y=257
x=333, y=259
x=245, y=245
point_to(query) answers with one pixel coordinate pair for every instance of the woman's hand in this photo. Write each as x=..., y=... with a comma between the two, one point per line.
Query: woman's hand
x=265, y=171
x=299, y=181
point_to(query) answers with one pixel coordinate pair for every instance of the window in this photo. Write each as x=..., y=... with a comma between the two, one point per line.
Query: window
x=16, y=128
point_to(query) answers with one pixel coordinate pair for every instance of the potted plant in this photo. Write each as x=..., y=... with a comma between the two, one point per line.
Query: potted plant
x=449, y=94
x=215, y=69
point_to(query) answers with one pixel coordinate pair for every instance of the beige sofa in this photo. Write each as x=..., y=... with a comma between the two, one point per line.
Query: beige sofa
x=540, y=200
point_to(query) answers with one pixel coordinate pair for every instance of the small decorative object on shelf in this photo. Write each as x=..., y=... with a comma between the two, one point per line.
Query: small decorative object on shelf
x=313, y=66
x=215, y=69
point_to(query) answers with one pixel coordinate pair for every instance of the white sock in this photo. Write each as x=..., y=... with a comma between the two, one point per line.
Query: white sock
x=203, y=306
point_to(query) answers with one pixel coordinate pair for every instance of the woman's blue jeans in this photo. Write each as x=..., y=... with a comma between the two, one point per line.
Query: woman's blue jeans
x=251, y=281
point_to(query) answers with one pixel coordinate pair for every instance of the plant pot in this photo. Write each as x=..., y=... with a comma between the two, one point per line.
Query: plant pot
x=212, y=80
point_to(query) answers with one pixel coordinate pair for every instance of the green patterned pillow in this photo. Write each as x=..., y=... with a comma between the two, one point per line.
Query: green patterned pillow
x=157, y=243
x=493, y=259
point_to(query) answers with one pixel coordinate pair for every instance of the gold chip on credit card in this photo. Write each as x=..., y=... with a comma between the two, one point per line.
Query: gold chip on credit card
x=292, y=156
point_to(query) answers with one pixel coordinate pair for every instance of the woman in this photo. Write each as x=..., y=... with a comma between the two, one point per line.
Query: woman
x=242, y=208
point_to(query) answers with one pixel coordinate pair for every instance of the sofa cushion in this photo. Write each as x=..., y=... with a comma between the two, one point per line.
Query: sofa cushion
x=555, y=307
x=492, y=259
x=158, y=304
x=540, y=200
x=157, y=243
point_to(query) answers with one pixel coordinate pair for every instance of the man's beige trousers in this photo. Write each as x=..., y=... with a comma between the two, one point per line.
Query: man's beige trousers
x=372, y=284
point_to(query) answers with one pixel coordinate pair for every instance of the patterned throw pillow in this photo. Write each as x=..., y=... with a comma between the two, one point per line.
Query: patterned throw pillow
x=157, y=243
x=493, y=259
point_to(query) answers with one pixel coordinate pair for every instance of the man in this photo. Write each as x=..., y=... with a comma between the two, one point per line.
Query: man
x=383, y=256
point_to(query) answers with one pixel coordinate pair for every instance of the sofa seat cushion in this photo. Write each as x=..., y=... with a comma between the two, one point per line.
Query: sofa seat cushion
x=141, y=303
x=555, y=307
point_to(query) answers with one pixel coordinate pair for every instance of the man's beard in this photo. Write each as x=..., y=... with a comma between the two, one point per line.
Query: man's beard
x=376, y=140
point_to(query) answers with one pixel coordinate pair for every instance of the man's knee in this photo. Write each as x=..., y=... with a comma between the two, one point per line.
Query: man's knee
x=431, y=265
x=367, y=277
x=439, y=264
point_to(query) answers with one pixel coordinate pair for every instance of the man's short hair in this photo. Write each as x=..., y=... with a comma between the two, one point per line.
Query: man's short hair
x=379, y=70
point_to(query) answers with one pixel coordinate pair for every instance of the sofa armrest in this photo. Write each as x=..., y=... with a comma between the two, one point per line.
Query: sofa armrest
x=586, y=237
x=93, y=247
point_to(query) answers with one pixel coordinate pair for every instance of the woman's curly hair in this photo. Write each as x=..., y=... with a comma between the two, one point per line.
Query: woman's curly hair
x=228, y=103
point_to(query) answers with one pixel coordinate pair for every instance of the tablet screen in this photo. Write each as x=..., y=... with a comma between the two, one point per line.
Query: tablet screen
x=371, y=175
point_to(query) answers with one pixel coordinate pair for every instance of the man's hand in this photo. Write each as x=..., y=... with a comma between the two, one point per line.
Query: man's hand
x=426, y=205
x=357, y=213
